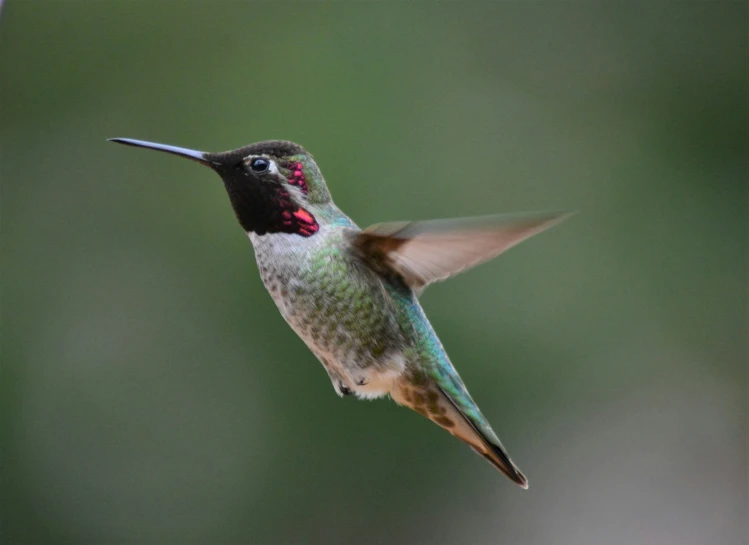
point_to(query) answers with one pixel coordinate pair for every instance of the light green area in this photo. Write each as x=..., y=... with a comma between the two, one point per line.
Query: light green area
x=150, y=391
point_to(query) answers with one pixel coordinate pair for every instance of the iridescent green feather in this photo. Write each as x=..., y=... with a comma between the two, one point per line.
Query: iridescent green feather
x=430, y=354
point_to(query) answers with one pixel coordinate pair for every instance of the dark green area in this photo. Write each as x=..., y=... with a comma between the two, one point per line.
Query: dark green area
x=150, y=391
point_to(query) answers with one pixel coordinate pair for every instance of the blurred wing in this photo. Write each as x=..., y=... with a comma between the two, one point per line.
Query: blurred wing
x=422, y=252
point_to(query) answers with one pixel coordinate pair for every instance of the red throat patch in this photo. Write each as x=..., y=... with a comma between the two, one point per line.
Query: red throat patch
x=306, y=223
x=297, y=178
x=298, y=221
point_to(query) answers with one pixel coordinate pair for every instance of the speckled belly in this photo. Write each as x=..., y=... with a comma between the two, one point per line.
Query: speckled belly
x=341, y=311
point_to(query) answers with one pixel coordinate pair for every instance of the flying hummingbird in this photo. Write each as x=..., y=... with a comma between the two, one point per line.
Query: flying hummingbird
x=351, y=294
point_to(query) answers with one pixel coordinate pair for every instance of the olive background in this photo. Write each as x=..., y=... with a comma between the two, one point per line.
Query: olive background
x=150, y=391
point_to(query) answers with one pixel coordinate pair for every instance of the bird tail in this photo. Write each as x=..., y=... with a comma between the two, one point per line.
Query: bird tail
x=467, y=424
x=487, y=445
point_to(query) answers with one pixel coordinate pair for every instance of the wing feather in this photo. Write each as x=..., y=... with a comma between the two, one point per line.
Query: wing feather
x=423, y=252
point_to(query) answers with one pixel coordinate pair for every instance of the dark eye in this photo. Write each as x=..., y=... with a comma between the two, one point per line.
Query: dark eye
x=259, y=164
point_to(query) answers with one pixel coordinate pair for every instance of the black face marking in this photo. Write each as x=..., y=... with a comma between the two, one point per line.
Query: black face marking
x=259, y=205
x=344, y=389
x=258, y=195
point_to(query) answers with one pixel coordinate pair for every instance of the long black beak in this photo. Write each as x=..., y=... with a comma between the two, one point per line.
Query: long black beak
x=199, y=156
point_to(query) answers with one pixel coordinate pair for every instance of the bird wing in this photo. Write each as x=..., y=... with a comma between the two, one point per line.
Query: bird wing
x=422, y=252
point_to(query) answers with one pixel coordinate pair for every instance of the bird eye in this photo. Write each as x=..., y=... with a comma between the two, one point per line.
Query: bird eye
x=259, y=164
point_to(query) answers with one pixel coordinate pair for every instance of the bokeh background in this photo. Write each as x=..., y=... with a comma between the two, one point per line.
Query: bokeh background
x=150, y=391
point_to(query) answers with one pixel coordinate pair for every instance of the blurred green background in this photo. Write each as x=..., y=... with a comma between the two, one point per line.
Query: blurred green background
x=151, y=393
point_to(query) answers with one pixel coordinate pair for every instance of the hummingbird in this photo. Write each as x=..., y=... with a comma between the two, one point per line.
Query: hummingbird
x=352, y=295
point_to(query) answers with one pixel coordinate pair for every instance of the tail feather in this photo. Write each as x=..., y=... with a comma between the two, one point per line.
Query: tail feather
x=502, y=462
x=430, y=400
x=490, y=448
